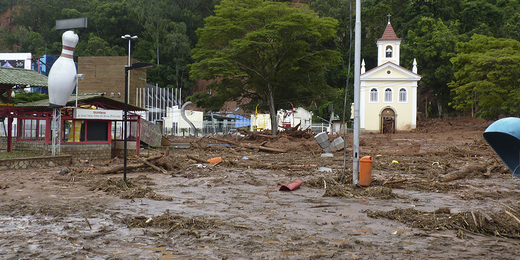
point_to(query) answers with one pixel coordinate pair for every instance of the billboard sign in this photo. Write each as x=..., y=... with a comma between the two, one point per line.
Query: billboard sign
x=98, y=114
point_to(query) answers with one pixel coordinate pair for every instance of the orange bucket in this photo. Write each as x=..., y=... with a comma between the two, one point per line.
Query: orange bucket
x=365, y=171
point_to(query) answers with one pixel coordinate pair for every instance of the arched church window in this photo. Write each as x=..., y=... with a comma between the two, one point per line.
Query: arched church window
x=373, y=95
x=388, y=95
x=402, y=95
x=389, y=51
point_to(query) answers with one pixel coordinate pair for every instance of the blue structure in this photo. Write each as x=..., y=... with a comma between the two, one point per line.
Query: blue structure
x=43, y=66
x=504, y=137
x=240, y=121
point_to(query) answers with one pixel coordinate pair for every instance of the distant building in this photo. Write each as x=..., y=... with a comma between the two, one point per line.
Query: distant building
x=107, y=75
x=388, y=92
x=286, y=119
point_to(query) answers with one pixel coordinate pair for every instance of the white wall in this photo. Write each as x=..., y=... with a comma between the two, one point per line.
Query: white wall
x=174, y=116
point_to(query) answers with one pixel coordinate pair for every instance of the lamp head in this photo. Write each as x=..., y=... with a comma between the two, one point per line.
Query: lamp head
x=128, y=37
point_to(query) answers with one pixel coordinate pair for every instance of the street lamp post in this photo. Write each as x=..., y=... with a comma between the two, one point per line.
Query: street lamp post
x=125, y=118
x=129, y=38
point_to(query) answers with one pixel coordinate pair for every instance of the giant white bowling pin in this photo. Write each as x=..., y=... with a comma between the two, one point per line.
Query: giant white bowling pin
x=62, y=77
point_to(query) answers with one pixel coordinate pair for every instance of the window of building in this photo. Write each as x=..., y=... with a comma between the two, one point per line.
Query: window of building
x=389, y=51
x=403, y=97
x=373, y=95
x=388, y=95
x=85, y=131
x=31, y=127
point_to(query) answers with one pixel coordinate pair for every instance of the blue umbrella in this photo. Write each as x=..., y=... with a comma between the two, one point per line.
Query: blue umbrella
x=503, y=136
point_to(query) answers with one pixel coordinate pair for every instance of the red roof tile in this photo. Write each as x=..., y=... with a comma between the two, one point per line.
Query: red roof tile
x=389, y=34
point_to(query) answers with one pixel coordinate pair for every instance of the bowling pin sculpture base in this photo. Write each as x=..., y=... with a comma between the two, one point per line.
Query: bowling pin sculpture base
x=62, y=76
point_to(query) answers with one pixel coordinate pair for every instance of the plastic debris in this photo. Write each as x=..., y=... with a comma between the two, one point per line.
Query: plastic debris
x=215, y=160
x=295, y=185
x=324, y=169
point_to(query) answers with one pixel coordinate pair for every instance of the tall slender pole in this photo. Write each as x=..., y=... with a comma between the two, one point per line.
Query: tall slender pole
x=76, y=91
x=127, y=68
x=357, y=71
x=129, y=38
x=128, y=77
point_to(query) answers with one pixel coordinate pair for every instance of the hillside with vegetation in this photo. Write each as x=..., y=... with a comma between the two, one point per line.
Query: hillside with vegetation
x=466, y=50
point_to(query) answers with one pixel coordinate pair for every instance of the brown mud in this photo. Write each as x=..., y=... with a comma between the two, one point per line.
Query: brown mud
x=439, y=192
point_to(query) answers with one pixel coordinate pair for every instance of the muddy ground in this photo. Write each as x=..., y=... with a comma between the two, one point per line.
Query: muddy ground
x=439, y=192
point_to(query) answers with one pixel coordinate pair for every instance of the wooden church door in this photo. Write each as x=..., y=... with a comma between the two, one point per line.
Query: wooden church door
x=388, y=121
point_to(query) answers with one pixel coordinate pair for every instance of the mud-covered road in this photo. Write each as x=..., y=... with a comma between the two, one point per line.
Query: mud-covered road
x=439, y=192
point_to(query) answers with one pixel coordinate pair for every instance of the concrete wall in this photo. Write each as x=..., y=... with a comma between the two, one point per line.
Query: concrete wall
x=35, y=162
x=84, y=151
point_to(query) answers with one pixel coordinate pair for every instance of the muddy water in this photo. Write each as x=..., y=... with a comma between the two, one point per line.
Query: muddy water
x=256, y=222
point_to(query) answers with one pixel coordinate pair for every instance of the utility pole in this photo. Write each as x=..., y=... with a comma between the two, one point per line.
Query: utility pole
x=357, y=72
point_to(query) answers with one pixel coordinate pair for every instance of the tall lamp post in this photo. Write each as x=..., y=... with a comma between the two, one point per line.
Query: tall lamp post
x=125, y=118
x=129, y=38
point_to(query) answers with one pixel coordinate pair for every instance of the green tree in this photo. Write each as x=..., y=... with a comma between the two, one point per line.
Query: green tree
x=264, y=51
x=38, y=20
x=338, y=76
x=96, y=46
x=21, y=96
x=432, y=43
x=487, y=77
x=480, y=16
x=168, y=37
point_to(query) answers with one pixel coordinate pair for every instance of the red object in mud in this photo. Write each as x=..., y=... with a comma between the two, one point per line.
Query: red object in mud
x=215, y=160
x=292, y=186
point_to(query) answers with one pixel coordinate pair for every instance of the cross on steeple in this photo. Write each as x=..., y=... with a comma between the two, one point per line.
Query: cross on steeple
x=388, y=18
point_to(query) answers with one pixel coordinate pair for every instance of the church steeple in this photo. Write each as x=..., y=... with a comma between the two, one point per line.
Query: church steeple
x=388, y=46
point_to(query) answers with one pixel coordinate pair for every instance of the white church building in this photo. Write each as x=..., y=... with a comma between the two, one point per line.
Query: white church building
x=388, y=98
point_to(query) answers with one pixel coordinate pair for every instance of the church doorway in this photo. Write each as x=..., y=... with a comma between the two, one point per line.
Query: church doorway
x=387, y=121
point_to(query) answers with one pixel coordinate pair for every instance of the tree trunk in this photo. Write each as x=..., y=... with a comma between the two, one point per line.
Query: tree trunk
x=272, y=111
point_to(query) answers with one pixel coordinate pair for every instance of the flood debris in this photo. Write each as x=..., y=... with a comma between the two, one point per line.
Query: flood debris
x=333, y=188
x=161, y=161
x=502, y=223
x=250, y=146
x=215, y=160
x=212, y=219
x=171, y=222
x=129, y=190
x=292, y=186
